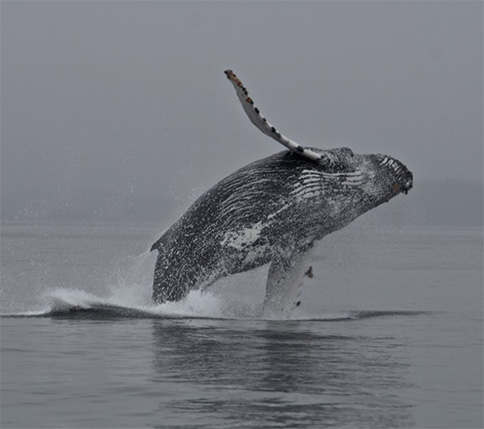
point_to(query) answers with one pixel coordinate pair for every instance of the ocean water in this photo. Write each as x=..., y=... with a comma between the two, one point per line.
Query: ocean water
x=389, y=335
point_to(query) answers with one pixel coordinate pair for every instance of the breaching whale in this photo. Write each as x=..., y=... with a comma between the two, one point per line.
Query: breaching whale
x=272, y=211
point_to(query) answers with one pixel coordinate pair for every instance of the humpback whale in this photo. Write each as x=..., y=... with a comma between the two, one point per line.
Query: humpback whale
x=272, y=211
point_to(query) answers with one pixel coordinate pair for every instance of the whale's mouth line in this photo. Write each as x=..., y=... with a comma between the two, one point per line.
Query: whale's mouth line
x=405, y=188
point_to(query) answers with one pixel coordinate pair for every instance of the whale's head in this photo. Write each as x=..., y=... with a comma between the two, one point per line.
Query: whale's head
x=354, y=183
x=380, y=175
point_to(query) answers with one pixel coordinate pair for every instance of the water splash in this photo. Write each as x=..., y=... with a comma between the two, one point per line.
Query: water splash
x=78, y=304
x=128, y=295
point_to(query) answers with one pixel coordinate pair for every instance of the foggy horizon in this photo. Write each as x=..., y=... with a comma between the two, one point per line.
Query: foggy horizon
x=130, y=100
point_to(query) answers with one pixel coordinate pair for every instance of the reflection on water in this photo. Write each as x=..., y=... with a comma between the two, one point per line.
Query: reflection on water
x=279, y=374
x=404, y=347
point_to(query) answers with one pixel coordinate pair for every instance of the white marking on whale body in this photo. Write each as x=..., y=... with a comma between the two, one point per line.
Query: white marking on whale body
x=353, y=180
x=307, y=173
x=311, y=180
x=255, y=253
x=312, y=183
x=272, y=215
x=306, y=193
x=242, y=238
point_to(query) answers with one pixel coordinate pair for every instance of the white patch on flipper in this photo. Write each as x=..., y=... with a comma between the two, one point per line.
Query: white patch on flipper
x=284, y=283
x=262, y=123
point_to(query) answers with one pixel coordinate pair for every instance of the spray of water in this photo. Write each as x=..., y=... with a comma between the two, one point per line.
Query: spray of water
x=128, y=294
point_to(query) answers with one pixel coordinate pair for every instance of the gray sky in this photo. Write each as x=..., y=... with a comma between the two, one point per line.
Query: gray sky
x=131, y=97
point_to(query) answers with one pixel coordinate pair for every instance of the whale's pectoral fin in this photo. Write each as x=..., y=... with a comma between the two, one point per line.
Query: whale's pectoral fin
x=286, y=276
x=263, y=124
